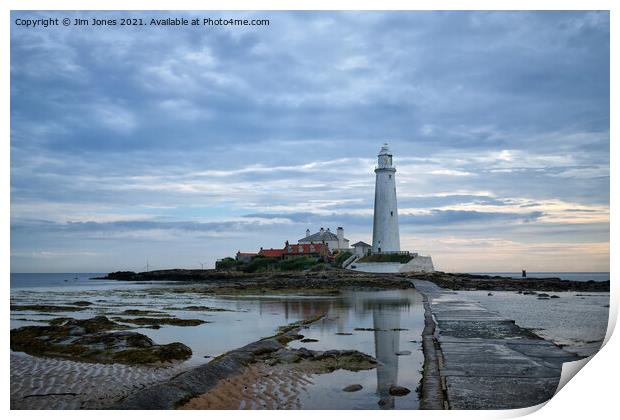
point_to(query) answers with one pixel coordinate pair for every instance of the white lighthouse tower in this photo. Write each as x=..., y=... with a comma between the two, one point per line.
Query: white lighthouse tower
x=385, y=236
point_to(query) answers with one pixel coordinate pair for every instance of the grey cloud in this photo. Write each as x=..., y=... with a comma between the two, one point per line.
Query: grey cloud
x=103, y=121
x=434, y=217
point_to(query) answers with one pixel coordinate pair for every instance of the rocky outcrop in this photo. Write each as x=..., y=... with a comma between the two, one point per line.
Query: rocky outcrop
x=95, y=340
x=339, y=279
x=235, y=281
x=482, y=282
x=150, y=321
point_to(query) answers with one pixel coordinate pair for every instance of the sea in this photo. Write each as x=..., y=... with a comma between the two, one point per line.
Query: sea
x=574, y=276
x=68, y=280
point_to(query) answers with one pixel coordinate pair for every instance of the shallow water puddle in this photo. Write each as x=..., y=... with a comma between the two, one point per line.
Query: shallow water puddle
x=385, y=324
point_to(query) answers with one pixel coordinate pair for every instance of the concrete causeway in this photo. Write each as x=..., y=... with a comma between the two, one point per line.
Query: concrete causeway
x=482, y=360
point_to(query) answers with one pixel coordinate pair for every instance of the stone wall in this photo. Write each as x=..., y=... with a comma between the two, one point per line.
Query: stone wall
x=417, y=264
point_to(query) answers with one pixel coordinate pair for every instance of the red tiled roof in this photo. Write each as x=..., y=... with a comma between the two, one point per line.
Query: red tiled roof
x=271, y=252
x=293, y=249
x=246, y=254
x=303, y=249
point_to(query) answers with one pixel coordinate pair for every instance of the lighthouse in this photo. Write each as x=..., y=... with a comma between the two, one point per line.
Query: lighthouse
x=385, y=236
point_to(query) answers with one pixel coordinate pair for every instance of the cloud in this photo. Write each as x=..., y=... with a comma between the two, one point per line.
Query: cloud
x=136, y=226
x=423, y=218
x=115, y=118
x=498, y=120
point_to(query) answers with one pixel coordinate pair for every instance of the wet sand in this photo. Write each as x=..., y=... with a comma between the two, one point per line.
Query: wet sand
x=259, y=386
x=43, y=383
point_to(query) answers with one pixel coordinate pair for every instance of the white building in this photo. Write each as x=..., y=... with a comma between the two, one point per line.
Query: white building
x=385, y=235
x=362, y=248
x=334, y=241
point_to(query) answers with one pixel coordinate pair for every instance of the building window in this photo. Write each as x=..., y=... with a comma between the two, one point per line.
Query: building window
x=390, y=176
x=391, y=213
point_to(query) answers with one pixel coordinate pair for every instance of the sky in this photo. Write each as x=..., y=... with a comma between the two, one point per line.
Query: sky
x=182, y=145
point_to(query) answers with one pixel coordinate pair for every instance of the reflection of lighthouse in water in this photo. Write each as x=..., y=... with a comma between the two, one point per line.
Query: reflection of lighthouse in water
x=386, y=324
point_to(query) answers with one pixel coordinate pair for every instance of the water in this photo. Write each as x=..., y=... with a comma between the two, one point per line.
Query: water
x=575, y=276
x=396, y=317
x=576, y=321
x=65, y=281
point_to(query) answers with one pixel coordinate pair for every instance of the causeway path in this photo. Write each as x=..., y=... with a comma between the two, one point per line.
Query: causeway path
x=476, y=359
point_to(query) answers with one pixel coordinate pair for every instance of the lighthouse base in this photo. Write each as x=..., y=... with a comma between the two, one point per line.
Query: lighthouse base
x=418, y=264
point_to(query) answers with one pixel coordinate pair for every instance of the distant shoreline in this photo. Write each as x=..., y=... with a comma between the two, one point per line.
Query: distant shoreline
x=340, y=279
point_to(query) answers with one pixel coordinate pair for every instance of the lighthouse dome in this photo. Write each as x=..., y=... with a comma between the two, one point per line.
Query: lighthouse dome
x=385, y=158
x=385, y=150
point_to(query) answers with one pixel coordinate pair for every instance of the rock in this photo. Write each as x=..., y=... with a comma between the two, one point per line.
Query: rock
x=82, y=303
x=77, y=331
x=154, y=354
x=351, y=360
x=162, y=321
x=47, y=308
x=93, y=340
x=200, y=309
x=309, y=340
x=304, y=353
x=341, y=333
x=399, y=391
x=543, y=295
x=490, y=294
x=554, y=297
x=352, y=388
x=403, y=353
x=141, y=312
x=288, y=356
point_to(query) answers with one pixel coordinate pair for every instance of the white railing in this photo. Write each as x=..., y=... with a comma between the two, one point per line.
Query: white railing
x=393, y=252
x=349, y=260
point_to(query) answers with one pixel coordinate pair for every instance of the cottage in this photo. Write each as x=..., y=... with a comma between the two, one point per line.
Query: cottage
x=245, y=257
x=333, y=241
x=296, y=250
x=305, y=250
x=362, y=248
x=271, y=252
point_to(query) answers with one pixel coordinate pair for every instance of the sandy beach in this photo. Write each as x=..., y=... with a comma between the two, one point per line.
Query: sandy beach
x=46, y=383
